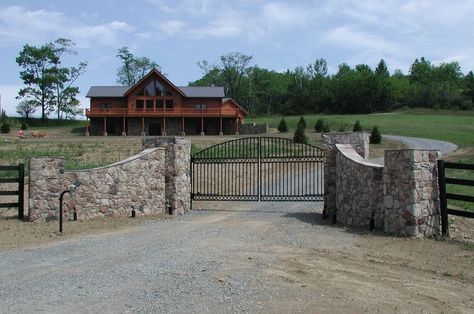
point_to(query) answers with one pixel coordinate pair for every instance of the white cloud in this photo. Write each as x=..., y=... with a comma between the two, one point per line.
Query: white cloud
x=108, y=34
x=351, y=38
x=171, y=27
x=18, y=24
x=282, y=13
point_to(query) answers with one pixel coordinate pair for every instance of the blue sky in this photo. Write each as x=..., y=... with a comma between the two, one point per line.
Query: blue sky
x=279, y=35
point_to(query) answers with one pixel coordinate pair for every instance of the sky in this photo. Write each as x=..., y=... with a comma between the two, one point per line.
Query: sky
x=280, y=35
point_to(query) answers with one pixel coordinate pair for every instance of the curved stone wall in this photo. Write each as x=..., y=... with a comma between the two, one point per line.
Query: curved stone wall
x=135, y=183
x=359, y=191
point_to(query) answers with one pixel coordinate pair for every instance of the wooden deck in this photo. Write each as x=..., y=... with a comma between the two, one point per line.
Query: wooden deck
x=160, y=112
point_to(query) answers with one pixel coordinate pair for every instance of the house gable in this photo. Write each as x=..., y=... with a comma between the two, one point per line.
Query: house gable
x=154, y=83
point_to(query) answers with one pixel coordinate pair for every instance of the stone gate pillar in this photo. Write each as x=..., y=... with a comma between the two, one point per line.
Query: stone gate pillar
x=411, y=193
x=46, y=183
x=178, y=170
x=359, y=141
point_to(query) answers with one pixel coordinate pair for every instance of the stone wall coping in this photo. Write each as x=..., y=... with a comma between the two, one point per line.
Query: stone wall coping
x=350, y=153
x=140, y=155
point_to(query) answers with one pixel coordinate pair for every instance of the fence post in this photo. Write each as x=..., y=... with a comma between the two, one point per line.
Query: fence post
x=21, y=190
x=442, y=199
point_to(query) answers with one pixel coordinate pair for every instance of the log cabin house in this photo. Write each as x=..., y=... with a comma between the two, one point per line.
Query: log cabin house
x=155, y=106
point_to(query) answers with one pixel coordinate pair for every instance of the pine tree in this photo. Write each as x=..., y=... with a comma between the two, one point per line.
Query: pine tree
x=319, y=126
x=357, y=127
x=301, y=123
x=282, y=127
x=375, y=136
x=299, y=136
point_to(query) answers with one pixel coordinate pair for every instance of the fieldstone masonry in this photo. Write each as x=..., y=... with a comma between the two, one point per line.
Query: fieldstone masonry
x=411, y=194
x=402, y=197
x=359, y=192
x=177, y=170
x=147, y=183
x=135, y=183
x=359, y=141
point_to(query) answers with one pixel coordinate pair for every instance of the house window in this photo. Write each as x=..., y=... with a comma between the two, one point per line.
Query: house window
x=160, y=89
x=169, y=103
x=105, y=106
x=149, y=104
x=201, y=106
x=150, y=89
x=139, y=103
x=159, y=103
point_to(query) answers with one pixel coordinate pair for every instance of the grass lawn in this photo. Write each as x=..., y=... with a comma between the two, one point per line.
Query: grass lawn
x=452, y=126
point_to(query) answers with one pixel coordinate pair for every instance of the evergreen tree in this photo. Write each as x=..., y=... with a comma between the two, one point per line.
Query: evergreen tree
x=357, y=127
x=375, y=136
x=282, y=127
x=300, y=136
x=301, y=123
x=319, y=126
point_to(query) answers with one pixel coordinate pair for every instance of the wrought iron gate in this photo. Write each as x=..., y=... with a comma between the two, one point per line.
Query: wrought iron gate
x=258, y=169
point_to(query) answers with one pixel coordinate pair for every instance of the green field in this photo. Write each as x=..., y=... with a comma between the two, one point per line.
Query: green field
x=452, y=126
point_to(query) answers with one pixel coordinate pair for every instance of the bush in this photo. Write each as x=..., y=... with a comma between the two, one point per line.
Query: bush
x=300, y=137
x=24, y=126
x=357, y=127
x=319, y=126
x=5, y=128
x=282, y=127
x=326, y=128
x=301, y=124
x=375, y=136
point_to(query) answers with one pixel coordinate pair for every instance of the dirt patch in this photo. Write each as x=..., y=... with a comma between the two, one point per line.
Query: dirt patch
x=15, y=233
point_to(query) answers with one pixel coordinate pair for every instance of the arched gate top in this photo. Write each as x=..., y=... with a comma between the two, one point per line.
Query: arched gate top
x=259, y=147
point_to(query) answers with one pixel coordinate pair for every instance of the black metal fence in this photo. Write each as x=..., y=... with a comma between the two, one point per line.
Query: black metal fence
x=8, y=178
x=445, y=196
x=258, y=169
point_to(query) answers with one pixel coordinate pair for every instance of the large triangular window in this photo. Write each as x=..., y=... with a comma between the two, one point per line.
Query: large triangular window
x=153, y=89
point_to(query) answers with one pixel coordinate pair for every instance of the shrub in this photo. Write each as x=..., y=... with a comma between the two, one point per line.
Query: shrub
x=300, y=137
x=5, y=128
x=357, y=127
x=301, y=123
x=375, y=136
x=24, y=126
x=326, y=128
x=282, y=127
x=319, y=126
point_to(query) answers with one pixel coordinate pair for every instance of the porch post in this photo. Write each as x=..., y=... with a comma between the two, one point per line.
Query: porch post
x=124, y=133
x=143, y=126
x=105, y=126
x=164, y=126
x=87, y=127
x=202, y=125
x=182, y=126
x=237, y=126
x=220, y=114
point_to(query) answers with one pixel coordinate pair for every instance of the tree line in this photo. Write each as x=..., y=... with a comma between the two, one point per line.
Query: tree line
x=361, y=89
x=306, y=89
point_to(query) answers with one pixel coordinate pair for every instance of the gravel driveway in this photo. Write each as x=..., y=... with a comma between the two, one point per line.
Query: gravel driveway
x=423, y=143
x=419, y=143
x=244, y=257
x=204, y=261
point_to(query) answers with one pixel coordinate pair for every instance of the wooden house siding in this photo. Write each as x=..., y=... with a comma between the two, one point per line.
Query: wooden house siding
x=170, y=112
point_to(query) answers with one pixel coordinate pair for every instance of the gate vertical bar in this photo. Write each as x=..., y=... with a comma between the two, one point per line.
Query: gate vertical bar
x=21, y=191
x=259, y=168
x=442, y=198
